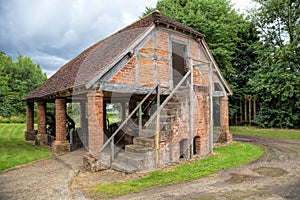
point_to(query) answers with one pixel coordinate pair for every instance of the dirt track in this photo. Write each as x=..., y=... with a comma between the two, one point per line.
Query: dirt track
x=274, y=176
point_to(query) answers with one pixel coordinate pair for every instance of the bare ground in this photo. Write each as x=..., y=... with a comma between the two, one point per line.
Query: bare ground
x=274, y=176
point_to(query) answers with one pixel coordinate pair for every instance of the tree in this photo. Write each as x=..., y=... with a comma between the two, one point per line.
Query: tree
x=230, y=36
x=17, y=79
x=277, y=79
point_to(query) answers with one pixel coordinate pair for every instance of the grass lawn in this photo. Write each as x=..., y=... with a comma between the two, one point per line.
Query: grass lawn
x=276, y=133
x=14, y=150
x=226, y=157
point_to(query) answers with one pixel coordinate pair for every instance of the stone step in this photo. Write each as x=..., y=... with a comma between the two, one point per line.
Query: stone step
x=149, y=132
x=138, y=148
x=149, y=142
x=136, y=160
x=123, y=167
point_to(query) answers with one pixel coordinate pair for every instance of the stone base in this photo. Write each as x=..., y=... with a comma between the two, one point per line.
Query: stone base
x=225, y=137
x=41, y=140
x=92, y=164
x=60, y=148
x=30, y=135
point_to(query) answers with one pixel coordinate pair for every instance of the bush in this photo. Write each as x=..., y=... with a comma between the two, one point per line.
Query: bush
x=13, y=119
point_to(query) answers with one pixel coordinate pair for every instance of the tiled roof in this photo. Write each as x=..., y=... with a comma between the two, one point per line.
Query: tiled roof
x=94, y=60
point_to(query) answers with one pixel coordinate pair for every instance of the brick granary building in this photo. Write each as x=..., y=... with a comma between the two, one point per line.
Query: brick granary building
x=172, y=98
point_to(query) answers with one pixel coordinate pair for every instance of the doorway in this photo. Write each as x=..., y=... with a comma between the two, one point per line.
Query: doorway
x=178, y=60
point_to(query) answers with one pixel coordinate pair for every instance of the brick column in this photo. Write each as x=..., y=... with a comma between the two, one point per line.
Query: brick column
x=41, y=117
x=225, y=135
x=42, y=137
x=95, y=121
x=61, y=143
x=30, y=134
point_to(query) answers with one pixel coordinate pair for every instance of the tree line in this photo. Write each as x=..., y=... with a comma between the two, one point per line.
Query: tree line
x=17, y=79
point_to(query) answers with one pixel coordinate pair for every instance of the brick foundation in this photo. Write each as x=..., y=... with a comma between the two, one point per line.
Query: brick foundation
x=30, y=135
x=95, y=121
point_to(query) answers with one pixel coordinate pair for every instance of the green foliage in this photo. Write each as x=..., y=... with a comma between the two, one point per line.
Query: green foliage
x=13, y=119
x=293, y=134
x=14, y=150
x=276, y=80
x=226, y=157
x=17, y=79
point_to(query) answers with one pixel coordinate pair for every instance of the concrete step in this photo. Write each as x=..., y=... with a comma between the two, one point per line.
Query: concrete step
x=149, y=132
x=136, y=160
x=138, y=148
x=123, y=167
x=149, y=142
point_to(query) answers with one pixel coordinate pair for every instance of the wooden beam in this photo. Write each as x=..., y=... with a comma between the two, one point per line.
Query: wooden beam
x=120, y=88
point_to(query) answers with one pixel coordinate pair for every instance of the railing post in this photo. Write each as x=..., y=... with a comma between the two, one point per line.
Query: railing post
x=157, y=130
x=191, y=109
x=140, y=119
x=211, y=130
x=112, y=150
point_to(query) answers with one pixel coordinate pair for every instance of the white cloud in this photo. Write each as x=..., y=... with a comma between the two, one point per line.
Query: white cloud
x=52, y=32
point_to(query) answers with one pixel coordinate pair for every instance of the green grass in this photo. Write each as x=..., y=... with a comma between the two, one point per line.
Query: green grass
x=226, y=157
x=14, y=150
x=274, y=133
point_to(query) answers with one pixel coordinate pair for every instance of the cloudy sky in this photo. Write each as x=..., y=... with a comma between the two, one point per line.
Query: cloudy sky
x=52, y=32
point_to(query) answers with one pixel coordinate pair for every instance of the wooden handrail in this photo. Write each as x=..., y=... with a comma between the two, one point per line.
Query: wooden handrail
x=126, y=120
x=168, y=98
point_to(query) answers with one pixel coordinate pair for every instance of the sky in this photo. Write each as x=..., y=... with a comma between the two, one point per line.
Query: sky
x=52, y=32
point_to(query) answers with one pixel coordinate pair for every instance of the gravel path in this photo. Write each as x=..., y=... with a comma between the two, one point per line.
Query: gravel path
x=275, y=176
x=47, y=179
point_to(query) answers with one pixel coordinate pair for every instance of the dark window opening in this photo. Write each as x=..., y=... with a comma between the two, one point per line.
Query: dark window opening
x=178, y=60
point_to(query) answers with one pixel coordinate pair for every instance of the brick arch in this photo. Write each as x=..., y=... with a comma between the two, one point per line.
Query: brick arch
x=183, y=148
x=197, y=144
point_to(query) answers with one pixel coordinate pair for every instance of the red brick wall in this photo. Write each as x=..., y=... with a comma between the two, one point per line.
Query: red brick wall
x=202, y=121
x=60, y=109
x=162, y=44
x=146, y=72
x=95, y=121
x=127, y=74
x=30, y=116
x=163, y=72
x=41, y=117
x=148, y=48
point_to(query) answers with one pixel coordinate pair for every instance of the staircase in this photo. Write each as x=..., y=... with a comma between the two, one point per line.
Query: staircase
x=140, y=155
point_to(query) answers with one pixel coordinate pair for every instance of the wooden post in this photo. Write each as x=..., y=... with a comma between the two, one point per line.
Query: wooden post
x=211, y=144
x=249, y=112
x=157, y=130
x=241, y=112
x=254, y=107
x=83, y=121
x=140, y=119
x=191, y=109
x=236, y=116
x=245, y=108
